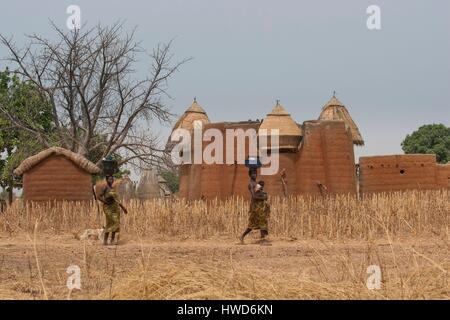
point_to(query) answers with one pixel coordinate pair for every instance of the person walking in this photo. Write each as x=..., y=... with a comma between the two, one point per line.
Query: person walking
x=111, y=208
x=259, y=210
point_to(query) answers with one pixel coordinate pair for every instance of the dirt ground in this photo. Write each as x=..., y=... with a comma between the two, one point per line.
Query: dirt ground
x=37, y=269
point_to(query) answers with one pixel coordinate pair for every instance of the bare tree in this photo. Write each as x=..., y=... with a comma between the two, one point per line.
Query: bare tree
x=90, y=81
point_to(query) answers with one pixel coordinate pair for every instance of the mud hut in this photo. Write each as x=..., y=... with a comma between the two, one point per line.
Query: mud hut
x=335, y=110
x=151, y=185
x=57, y=174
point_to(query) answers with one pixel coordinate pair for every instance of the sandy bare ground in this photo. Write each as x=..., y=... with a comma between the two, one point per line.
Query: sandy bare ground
x=220, y=268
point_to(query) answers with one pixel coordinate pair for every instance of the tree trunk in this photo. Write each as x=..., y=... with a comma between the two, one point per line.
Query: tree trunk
x=10, y=190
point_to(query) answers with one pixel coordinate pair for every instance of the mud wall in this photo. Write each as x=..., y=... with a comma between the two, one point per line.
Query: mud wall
x=273, y=183
x=209, y=181
x=183, y=188
x=310, y=166
x=326, y=157
x=401, y=172
x=57, y=178
x=443, y=175
x=339, y=159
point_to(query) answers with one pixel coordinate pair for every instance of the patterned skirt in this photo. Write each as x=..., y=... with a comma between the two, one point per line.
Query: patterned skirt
x=259, y=214
x=112, y=214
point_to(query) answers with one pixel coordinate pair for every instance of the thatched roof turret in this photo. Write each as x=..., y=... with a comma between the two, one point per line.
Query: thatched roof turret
x=335, y=110
x=194, y=113
x=289, y=131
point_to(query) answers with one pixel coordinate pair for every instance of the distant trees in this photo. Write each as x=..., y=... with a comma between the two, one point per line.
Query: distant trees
x=430, y=138
x=98, y=105
x=24, y=101
x=172, y=179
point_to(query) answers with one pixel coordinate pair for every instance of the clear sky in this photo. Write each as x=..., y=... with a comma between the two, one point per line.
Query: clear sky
x=247, y=54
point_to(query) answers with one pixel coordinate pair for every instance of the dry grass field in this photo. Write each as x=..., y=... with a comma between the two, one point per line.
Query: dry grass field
x=173, y=249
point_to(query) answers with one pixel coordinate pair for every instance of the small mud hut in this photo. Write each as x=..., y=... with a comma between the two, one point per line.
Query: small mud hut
x=335, y=110
x=57, y=174
x=151, y=185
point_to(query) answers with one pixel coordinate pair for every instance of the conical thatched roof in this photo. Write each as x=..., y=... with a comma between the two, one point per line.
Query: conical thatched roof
x=280, y=119
x=77, y=159
x=289, y=131
x=194, y=113
x=335, y=110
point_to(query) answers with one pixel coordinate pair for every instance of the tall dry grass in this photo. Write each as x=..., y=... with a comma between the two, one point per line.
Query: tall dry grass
x=335, y=217
x=310, y=269
x=344, y=278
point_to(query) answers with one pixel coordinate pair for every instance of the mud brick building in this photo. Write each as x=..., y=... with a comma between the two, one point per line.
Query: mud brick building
x=316, y=156
x=402, y=172
x=57, y=174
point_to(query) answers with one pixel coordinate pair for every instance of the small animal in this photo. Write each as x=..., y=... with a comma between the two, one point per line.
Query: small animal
x=90, y=234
